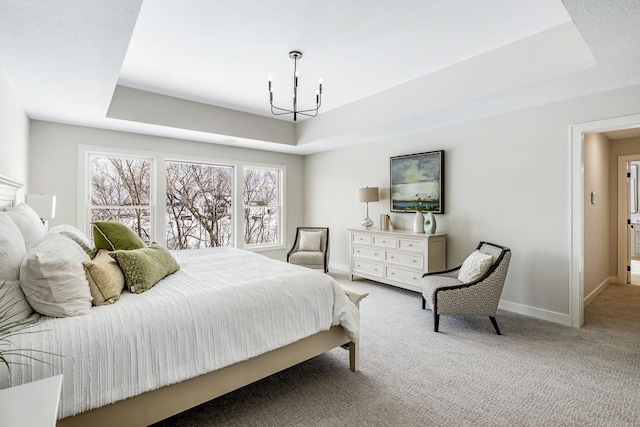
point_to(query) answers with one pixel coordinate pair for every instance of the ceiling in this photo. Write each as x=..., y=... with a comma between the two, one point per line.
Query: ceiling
x=198, y=69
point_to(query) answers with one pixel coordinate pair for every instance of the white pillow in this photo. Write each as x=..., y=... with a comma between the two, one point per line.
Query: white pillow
x=77, y=236
x=12, y=252
x=476, y=264
x=29, y=223
x=53, y=279
x=310, y=241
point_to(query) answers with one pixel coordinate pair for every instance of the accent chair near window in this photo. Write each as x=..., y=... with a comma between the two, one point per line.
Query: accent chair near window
x=311, y=248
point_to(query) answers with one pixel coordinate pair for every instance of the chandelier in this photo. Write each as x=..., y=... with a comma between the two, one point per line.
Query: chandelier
x=295, y=55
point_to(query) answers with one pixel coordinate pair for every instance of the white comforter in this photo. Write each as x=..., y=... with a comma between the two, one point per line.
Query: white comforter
x=223, y=306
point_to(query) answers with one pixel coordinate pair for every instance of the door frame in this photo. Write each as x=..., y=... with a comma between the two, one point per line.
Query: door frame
x=576, y=273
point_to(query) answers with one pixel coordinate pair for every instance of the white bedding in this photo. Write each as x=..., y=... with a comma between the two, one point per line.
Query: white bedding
x=223, y=306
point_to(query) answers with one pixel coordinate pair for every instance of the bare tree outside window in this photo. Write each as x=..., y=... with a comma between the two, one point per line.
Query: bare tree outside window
x=261, y=200
x=120, y=190
x=198, y=205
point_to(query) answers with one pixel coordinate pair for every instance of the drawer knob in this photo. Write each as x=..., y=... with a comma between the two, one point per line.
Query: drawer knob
x=410, y=245
x=413, y=260
x=392, y=257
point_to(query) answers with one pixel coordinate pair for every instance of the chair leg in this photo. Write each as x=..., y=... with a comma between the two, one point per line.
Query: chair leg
x=436, y=320
x=424, y=303
x=495, y=324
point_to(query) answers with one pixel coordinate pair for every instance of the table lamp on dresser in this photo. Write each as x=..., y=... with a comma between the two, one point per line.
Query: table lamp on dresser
x=366, y=195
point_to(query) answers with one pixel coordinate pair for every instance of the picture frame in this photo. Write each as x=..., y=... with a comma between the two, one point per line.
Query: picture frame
x=417, y=182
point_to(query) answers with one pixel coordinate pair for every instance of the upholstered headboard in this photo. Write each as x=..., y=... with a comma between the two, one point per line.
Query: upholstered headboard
x=8, y=190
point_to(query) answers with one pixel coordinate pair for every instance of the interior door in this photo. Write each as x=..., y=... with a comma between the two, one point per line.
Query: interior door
x=633, y=223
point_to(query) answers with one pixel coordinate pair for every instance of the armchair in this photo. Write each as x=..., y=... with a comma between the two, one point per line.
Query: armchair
x=447, y=294
x=311, y=248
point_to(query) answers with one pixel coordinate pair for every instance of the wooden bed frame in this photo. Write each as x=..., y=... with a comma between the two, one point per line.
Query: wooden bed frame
x=157, y=405
x=160, y=404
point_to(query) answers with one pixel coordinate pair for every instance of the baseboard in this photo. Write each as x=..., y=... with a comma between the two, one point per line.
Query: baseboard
x=597, y=291
x=538, y=313
x=339, y=268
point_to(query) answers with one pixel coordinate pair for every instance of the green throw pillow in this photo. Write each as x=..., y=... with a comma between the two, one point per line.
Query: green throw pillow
x=145, y=267
x=113, y=235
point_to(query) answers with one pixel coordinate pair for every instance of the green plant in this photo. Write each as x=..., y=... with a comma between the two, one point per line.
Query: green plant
x=12, y=324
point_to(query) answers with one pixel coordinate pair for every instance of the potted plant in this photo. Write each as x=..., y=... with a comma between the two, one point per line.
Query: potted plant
x=10, y=328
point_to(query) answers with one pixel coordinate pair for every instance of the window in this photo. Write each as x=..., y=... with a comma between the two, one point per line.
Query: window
x=198, y=205
x=120, y=188
x=261, y=200
x=183, y=202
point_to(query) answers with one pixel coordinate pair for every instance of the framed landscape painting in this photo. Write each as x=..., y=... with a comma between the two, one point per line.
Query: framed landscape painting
x=417, y=182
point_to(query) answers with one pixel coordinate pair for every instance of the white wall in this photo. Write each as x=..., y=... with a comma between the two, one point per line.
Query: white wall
x=507, y=180
x=53, y=165
x=14, y=134
x=597, y=238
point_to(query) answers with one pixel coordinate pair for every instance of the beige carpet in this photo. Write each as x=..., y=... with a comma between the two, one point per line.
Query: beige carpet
x=536, y=374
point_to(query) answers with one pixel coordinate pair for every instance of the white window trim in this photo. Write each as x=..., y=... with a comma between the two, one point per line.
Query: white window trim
x=281, y=208
x=159, y=185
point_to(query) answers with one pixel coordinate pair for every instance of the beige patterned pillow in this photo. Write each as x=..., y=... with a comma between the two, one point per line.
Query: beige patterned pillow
x=105, y=278
x=310, y=241
x=476, y=265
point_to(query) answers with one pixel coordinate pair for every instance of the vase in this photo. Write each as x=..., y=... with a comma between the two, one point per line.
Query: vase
x=430, y=223
x=418, y=223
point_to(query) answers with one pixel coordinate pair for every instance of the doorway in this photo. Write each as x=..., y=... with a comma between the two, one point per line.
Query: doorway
x=576, y=292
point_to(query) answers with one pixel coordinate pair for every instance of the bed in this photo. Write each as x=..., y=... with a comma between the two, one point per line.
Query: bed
x=225, y=319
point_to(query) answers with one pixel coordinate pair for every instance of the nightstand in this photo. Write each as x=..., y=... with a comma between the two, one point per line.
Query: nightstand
x=34, y=404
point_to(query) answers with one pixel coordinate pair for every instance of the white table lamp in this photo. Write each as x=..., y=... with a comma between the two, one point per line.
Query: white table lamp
x=367, y=194
x=43, y=204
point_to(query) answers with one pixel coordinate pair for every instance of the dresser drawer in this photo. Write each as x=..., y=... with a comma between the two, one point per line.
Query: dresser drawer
x=370, y=268
x=405, y=276
x=407, y=259
x=384, y=241
x=367, y=252
x=412, y=245
x=364, y=239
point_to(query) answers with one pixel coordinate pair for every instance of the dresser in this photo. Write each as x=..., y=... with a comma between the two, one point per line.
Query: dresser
x=397, y=258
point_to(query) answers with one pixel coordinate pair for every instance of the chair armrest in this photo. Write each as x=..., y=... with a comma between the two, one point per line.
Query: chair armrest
x=452, y=272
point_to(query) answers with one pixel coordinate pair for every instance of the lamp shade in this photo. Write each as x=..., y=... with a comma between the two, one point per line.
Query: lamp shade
x=368, y=194
x=43, y=204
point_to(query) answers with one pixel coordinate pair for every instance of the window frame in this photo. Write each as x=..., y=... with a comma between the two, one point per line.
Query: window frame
x=158, y=191
x=280, y=206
